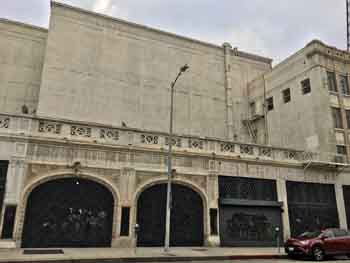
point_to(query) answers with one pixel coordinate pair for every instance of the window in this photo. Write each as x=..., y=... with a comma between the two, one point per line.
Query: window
x=286, y=95
x=340, y=232
x=341, y=149
x=332, y=85
x=305, y=86
x=328, y=233
x=269, y=103
x=347, y=112
x=252, y=108
x=344, y=85
x=337, y=118
x=213, y=221
x=124, y=226
x=9, y=222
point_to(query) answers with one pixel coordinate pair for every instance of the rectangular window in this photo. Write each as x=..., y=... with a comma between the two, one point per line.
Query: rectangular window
x=337, y=118
x=124, y=226
x=9, y=222
x=3, y=175
x=344, y=85
x=347, y=112
x=305, y=86
x=286, y=95
x=269, y=103
x=341, y=149
x=252, y=108
x=213, y=221
x=332, y=85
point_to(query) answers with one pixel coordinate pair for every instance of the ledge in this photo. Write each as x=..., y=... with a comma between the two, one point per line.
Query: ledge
x=243, y=202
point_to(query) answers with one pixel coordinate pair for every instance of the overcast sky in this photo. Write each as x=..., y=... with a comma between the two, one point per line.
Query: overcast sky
x=273, y=28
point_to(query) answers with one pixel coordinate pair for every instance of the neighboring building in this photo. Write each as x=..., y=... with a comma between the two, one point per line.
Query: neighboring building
x=307, y=103
x=84, y=110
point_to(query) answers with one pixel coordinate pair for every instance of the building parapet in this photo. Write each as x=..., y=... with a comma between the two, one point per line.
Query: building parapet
x=319, y=48
x=107, y=136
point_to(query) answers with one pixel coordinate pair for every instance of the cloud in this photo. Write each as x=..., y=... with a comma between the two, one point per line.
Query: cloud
x=274, y=28
x=102, y=6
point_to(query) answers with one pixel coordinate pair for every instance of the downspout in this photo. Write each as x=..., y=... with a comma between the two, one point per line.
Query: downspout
x=266, y=128
x=228, y=91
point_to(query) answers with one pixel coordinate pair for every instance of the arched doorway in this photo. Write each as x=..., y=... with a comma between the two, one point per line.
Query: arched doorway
x=186, y=216
x=68, y=212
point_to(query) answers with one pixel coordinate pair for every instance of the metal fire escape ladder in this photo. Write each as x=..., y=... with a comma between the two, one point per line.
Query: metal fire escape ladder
x=251, y=129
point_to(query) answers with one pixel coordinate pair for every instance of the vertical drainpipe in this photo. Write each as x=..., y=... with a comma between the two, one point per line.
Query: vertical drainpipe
x=266, y=139
x=228, y=91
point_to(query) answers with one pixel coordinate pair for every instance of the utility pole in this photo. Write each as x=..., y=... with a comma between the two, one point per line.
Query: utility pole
x=347, y=25
x=170, y=170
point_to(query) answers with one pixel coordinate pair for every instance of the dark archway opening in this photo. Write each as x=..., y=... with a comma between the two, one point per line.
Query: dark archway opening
x=186, y=216
x=68, y=212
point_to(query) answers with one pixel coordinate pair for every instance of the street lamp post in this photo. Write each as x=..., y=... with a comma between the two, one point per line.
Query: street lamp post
x=170, y=144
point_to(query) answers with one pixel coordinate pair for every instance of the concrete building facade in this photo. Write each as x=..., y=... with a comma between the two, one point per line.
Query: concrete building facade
x=309, y=102
x=83, y=135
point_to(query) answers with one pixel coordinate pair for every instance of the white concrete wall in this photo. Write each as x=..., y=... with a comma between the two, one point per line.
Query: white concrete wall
x=305, y=122
x=108, y=71
x=21, y=60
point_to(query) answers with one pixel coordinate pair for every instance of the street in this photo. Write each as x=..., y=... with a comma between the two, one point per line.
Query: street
x=335, y=260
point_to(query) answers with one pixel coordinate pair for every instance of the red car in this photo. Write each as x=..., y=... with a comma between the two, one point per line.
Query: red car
x=319, y=244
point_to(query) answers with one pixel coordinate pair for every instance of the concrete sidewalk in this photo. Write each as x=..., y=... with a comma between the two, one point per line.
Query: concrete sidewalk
x=142, y=254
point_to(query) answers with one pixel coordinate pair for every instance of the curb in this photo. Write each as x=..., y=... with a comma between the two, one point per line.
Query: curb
x=153, y=259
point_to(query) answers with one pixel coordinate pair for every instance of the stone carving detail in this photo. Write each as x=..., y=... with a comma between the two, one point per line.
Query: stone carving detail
x=246, y=149
x=307, y=156
x=195, y=144
x=4, y=122
x=176, y=141
x=290, y=155
x=149, y=139
x=50, y=127
x=110, y=134
x=227, y=147
x=267, y=152
x=80, y=131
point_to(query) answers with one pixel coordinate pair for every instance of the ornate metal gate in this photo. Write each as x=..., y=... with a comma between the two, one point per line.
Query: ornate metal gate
x=186, y=216
x=346, y=192
x=311, y=207
x=69, y=213
x=249, y=212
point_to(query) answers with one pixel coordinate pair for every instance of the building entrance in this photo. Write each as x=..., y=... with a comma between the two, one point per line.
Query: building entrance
x=311, y=207
x=186, y=216
x=68, y=213
x=249, y=212
x=346, y=192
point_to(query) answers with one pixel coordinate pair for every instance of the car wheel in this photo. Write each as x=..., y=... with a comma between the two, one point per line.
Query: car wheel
x=318, y=253
x=292, y=256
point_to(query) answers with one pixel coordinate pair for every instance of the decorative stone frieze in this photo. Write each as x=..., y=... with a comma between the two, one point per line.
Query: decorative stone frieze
x=227, y=147
x=109, y=134
x=266, y=152
x=246, y=149
x=149, y=139
x=4, y=122
x=49, y=127
x=290, y=155
x=80, y=131
x=195, y=144
x=176, y=141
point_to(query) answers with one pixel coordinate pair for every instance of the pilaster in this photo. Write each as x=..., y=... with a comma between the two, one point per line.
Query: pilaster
x=282, y=197
x=339, y=195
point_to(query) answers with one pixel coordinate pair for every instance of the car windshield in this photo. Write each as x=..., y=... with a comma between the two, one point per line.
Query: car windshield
x=310, y=234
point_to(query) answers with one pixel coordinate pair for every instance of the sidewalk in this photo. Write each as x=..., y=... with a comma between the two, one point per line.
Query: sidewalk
x=90, y=255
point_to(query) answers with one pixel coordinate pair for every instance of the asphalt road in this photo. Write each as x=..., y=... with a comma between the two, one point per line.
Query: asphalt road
x=336, y=260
